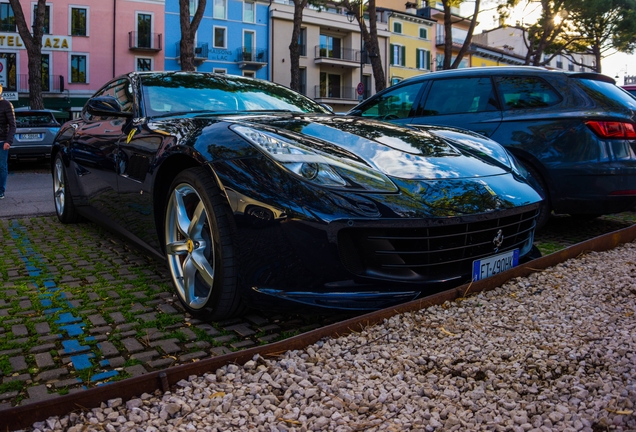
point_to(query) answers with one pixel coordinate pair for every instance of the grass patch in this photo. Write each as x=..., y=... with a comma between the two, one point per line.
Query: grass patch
x=11, y=386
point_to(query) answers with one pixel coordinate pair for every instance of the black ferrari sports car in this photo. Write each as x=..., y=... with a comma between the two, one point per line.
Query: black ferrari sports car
x=252, y=192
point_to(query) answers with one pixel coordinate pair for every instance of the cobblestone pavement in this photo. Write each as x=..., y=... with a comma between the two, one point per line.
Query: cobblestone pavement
x=80, y=308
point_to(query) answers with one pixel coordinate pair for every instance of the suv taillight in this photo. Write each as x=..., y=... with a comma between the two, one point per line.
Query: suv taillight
x=612, y=129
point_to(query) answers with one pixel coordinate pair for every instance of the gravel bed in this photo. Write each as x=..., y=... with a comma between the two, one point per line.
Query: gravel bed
x=553, y=351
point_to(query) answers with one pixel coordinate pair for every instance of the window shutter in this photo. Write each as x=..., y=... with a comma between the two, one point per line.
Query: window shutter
x=418, y=59
x=403, y=62
x=428, y=60
x=392, y=61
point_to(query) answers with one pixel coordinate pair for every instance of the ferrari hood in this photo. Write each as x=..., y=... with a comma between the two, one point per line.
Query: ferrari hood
x=397, y=151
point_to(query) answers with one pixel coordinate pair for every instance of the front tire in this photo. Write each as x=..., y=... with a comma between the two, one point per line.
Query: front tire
x=200, y=246
x=64, y=206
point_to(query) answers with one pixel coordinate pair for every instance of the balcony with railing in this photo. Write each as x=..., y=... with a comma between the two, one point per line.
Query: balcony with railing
x=54, y=85
x=201, y=53
x=329, y=92
x=345, y=57
x=251, y=58
x=144, y=41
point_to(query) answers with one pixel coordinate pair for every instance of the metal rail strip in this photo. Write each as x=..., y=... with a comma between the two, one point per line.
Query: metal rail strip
x=24, y=416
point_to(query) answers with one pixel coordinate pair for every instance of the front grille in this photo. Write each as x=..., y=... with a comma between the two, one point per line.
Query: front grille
x=431, y=254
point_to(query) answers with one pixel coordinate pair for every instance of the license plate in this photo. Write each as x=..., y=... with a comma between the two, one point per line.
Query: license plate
x=492, y=265
x=31, y=137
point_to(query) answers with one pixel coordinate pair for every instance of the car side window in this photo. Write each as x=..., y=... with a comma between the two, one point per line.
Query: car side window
x=523, y=92
x=396, y=104
x=459, y=95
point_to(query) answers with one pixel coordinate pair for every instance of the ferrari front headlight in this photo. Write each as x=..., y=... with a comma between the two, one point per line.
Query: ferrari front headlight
x=316, y=167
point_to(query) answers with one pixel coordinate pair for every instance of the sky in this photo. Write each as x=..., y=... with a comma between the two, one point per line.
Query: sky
x=617, y=64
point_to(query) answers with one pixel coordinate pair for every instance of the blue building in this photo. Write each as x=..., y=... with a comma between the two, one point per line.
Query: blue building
x=232, y=38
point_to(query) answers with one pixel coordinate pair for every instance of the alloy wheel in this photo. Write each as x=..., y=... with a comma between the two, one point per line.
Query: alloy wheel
x=189, y=246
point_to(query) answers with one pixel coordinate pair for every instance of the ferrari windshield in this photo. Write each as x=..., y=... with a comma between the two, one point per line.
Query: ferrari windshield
x=182, y=92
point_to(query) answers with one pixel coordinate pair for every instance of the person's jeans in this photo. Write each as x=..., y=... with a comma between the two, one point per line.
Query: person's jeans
x=4, y=170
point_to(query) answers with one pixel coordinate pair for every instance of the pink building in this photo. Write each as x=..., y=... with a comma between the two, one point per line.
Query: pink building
x=85, y=43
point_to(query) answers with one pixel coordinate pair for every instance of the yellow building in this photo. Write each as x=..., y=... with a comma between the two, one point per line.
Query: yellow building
x=410, y=45
x=433, y=11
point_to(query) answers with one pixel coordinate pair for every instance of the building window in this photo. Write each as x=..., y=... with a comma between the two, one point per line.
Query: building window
x=219, y=37
x=329, y=85
x=79, y=21
x=193, y=6
x=302, y=42
x=144, y=30
x=330, y=47
x=398, y=54
x=423, y=33
x=248, y=12
x=46, y=24
x=248, y=46
x=144, y=64
x=397, y=27
x=7, y=18
x=79, y=68
x=12, y=79
x=423, y=59
x=220, y=71
x=249, y=74
x=220, y=7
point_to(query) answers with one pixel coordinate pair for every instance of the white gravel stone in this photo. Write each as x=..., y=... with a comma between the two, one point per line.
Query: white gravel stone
x=553, y=351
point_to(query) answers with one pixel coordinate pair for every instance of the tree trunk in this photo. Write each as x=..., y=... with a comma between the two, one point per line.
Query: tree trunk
x=370, y=37
x=373, y=49
x=294, y=48
x=469, y=37
x=448, y=34
x=188, y=32
x=33, y=45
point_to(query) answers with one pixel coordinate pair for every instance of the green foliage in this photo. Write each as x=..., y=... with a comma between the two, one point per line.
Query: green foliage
x=10, y=386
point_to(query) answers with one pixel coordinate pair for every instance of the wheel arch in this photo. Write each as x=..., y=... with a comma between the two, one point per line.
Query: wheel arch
x=529, y=161
x=168, y=170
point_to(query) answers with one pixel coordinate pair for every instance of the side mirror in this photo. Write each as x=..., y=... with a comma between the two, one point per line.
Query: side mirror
x=106, y=106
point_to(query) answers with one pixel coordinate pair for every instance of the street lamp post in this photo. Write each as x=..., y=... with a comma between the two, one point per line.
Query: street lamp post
x=624, y=76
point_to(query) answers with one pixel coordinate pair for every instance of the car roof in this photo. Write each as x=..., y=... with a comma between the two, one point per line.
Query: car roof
x=491, y=70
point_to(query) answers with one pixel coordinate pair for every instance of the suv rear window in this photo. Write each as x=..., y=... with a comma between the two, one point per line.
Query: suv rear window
x=607, y=94
x=523, y=92
x=34, y=120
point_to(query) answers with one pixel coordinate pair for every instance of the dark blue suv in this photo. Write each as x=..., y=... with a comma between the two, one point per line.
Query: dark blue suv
x=574, y=132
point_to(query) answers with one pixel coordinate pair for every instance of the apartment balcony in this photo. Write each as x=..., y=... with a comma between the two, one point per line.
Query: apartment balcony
x=336, y=94
x=345, y=57
x=250, y=58
x=201, y=53
x=54, y=85
x=148, y=42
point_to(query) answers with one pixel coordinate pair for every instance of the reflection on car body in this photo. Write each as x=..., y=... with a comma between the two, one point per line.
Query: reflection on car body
x=272, y=197
x=575, y=132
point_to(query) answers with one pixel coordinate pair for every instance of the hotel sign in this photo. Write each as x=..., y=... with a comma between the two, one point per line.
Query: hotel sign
x=49, y=42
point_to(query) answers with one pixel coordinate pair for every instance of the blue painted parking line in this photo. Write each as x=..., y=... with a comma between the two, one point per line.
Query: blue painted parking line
x=67, y=321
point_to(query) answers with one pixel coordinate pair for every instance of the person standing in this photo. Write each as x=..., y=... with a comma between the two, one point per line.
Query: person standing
x=7, y=131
